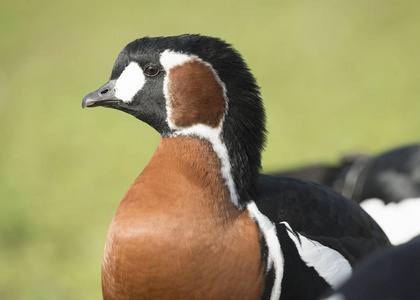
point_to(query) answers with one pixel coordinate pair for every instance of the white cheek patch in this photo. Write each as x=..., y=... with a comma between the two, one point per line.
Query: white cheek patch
x=329, y=263
x=130, y=82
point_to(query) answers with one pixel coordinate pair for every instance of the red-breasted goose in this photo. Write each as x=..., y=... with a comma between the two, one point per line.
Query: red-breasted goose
x=200, y=221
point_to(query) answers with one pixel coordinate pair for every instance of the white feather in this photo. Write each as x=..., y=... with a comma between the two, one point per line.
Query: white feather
x=329, y=263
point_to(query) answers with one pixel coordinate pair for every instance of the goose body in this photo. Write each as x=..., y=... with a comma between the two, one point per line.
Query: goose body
x=200, y=221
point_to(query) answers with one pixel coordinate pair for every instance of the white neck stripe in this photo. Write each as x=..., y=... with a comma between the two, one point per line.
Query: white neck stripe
x=213, y=136
x=275, y=255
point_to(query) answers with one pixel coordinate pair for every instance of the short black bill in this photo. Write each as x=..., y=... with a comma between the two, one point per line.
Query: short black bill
x=104, y=96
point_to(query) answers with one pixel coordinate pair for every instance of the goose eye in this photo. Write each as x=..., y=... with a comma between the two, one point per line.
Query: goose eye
x=151, y=70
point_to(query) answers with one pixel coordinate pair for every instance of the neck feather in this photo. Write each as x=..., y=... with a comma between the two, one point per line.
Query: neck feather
x=190, y=161
x=212, y=136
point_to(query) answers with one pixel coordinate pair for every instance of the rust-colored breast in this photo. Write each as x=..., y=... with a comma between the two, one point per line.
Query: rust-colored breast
x=196, y=96
x=176, y=235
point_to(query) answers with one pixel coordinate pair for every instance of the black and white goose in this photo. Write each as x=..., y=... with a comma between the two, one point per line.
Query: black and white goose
x=200, y=221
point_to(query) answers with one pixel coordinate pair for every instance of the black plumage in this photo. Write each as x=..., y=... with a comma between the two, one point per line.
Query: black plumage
x=321, y=214
x=391, y=274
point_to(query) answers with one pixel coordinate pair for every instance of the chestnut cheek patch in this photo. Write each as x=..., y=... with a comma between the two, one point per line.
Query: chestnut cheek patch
x=194, y=93
x=196, y=97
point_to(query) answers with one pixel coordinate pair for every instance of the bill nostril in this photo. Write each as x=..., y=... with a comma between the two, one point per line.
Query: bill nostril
x=103, y=92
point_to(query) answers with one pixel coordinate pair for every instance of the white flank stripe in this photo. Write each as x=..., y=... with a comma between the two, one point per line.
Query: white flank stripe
x=275, y=256
x=130, y=82
x=329, y=263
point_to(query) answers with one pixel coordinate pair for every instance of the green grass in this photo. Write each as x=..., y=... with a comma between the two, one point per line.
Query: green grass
x=336, y=76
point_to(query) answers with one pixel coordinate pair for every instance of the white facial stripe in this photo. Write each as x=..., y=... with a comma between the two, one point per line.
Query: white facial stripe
x=329, y=264
x=170, y=59
x=275, y=256
x=130, y=82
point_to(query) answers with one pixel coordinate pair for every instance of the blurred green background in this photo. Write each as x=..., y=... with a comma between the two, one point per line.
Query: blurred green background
x=336, y=76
